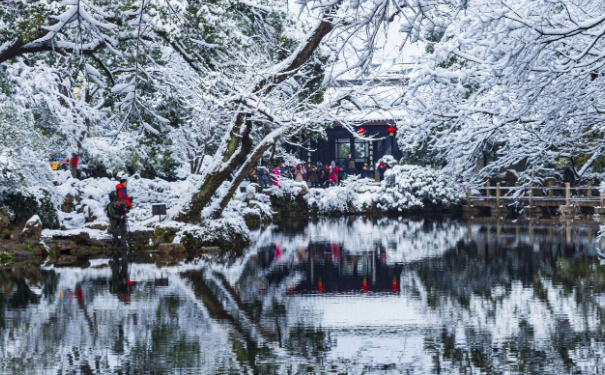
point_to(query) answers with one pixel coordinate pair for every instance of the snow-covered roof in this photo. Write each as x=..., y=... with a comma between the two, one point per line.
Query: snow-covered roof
x=375, y=117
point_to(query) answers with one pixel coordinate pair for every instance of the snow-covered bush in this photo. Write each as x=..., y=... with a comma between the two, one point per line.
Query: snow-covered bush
x=26, y=186
x=389, y=160
x=23, y=151
x=405, y=187
x=354, y=194
x=409, y=186
x=330, y=201
x=288, y=189
x=259, y=207
x=226, y=232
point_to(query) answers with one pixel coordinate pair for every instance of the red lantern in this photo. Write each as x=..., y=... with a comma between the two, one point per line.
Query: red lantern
x=361, y=131
x=392, y=130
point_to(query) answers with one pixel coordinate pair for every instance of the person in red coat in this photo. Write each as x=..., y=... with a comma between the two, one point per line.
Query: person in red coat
x=122, y=189
x=73, y=164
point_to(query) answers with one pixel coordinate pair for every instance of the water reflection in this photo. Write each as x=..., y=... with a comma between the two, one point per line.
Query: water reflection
x=331, y=268
x=332, y=296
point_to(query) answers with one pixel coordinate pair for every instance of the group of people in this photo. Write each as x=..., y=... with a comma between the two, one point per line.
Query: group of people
x=63, y=163
x=119, y=205
x=316, y=175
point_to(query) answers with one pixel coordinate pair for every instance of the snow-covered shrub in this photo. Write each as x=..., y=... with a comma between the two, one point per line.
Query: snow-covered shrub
x=21, y=207
x=23, y=152
x=288, y=189
x=389, y=160
x=330, y=201
x=363, y=190
x=262, y=205
x=353, y=194
x=409, y=186
x=90, y=196
x=25, y=174
x=259, y=207
x=405, y=187
x=227, y=232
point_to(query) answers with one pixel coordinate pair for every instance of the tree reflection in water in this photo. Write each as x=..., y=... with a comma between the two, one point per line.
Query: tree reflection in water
x=342, y=296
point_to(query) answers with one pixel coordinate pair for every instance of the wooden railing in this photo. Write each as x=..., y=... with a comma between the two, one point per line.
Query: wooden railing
x=549, y=195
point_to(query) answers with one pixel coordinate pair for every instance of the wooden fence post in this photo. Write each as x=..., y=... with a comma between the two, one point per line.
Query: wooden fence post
x=498, y=194
x=531, y=195
x=550, y=192
x=589, y=193
x=468, y=196
x=488, y=192
x=567, y=194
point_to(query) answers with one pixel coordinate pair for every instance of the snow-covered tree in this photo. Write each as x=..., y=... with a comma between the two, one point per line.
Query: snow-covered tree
x=510, y=82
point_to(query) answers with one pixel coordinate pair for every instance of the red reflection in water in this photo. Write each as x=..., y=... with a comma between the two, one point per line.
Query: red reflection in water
x=364, y=285
x=277, y=252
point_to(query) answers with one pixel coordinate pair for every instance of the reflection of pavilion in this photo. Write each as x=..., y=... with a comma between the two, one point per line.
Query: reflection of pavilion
x=329, y=268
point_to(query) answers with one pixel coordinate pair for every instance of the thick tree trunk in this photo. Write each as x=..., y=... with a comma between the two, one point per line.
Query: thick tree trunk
x=242, y=172
x=236, y=146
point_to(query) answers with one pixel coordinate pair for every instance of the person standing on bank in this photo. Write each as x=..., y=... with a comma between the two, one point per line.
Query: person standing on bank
x=122, y=190
x=351, y=170
x=283, y=170
x=333, y=176
x=341, y=171
x=116, y=212
x=313, y=176
x=73, y=165
x=382, y=167
x=299, y=176
x=365, y=172
x=263, y=176
x=322, y=176
x=348, y=160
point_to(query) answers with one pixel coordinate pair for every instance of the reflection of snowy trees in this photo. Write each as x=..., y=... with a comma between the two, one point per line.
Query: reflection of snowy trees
x=464, y=304
x=513, y=309
x=159, y=328
x=404, y=240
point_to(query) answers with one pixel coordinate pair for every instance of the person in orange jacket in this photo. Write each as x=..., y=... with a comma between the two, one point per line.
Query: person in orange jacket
x=122, y=189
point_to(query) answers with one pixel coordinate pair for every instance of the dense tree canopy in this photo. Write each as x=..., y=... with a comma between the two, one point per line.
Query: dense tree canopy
x=519, y=81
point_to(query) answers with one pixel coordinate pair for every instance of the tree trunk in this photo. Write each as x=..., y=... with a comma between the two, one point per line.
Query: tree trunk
x=199, y=162
x=192, y=166
x=235, y=147
x=242, y=172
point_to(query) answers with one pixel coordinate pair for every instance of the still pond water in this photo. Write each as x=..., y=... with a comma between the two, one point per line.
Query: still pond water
x=329, y=297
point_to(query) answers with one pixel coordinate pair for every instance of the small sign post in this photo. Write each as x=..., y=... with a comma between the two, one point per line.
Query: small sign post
x=158, y=209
